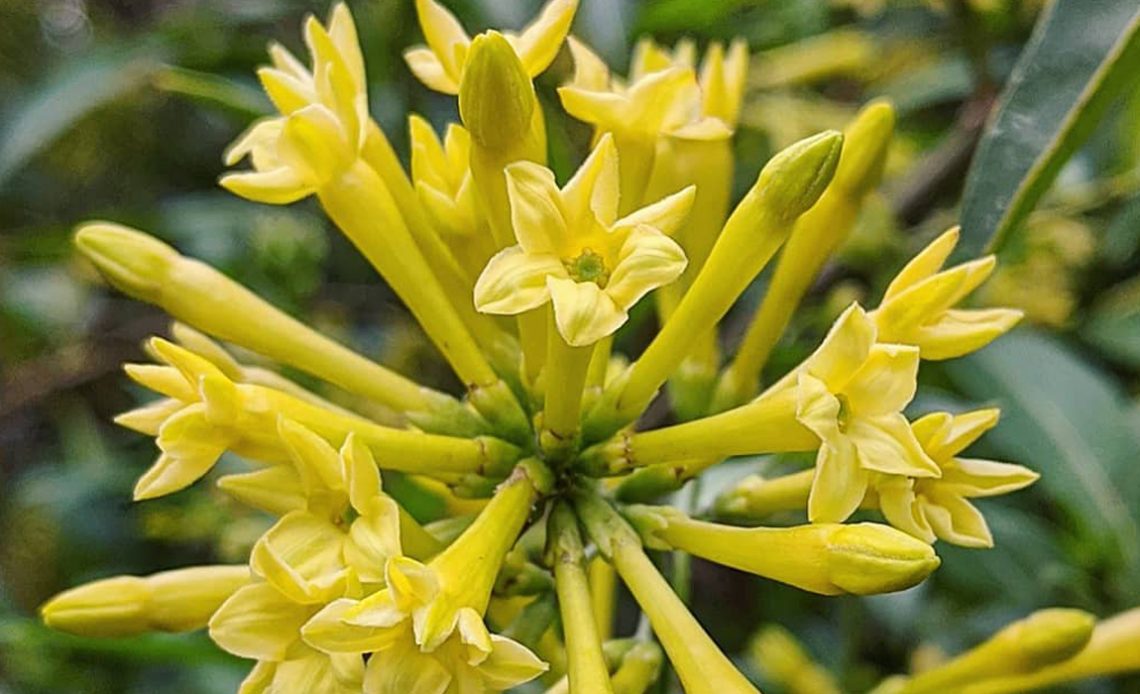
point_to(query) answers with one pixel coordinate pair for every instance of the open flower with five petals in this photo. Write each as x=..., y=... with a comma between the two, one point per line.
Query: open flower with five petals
x=342, y=531
x=574, y=252
x=931, y=508
x=851, y=393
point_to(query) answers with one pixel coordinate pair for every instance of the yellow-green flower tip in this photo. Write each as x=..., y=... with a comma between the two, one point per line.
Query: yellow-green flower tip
x=134, y=262
x=795, y=178
x=1053, y=635
x=865, y=149
x=496, y=96
x=868, y=558
x=110, y=607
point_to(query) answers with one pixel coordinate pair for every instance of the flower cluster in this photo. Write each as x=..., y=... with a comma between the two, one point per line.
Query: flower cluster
x=346, y=592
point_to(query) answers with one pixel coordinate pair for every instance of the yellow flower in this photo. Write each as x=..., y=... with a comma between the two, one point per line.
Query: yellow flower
x=851, y=393
x=345, y=531
x=439, y=65
x=721, y=78
x=425, y=628
x=324, y=119
x=664, y=103
x=940, y=508
x=260, y=623
x=574, y=252
x=205, y=414
x=917, y=308
x=826, y=558
x=782, y=658
x=178, y=600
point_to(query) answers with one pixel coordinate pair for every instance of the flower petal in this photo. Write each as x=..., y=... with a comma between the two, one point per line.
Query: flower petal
x=925, y=264
x=971, y=477
x=590, y=71
x=844, y=350
x=301, y=555
x=536, y=208
x=839, y=484
x=583, y=313
x=901, y=508
x=515, y=281
x=540, y=40
x=886, y=444
x=403, y=669
x=190, y=446
x=594, y=187
x=665, y=215
x=276, y=489
x=817, y=409
x=443, y=33
x=428, y=69
x=960, y=331
x=957, y=521
x=259, y=622
x=510, y=664
x=647, y=260
x=886, y=381
x=328, y=631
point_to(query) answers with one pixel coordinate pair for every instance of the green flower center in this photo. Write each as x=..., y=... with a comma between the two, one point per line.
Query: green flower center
x=588, y=267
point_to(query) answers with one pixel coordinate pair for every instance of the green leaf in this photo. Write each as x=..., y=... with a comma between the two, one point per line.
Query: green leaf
x=1069, y=421
x=1114, y=325
x=1082, y=55
x=73, y=91
x=242, y=99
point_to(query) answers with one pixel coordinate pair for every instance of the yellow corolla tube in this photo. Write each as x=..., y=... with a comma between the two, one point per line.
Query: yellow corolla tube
x=145, y=268
x=817, y=234
x=826, y=558
x=1043, y=638
x=701, y=666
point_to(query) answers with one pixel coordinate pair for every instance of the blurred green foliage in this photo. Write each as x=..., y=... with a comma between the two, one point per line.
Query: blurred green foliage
x=121, y=109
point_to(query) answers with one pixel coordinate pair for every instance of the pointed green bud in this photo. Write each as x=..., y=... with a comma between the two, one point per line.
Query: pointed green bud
x=133, y=262
x=496, y=96
x=865, y=148
x=795, y=178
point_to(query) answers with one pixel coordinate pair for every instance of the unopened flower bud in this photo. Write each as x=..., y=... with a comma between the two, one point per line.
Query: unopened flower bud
x=179, y=600
x=825, y=558
x=795, y=178
x=134, y=262
x=496, y=96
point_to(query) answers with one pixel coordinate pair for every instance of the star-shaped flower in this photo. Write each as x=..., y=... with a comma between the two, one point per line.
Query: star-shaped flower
x=851, y=393
x=575, y=253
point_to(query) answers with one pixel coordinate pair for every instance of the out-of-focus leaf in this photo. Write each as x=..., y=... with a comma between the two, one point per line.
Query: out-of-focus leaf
x=242, y=99
x=1082, y=55
x=1114, y=326
x=1121, y=241
x=1066, y=419
x=76, y=89
x=944, y=81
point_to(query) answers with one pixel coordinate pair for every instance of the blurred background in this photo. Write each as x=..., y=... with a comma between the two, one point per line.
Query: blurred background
x=120, y=109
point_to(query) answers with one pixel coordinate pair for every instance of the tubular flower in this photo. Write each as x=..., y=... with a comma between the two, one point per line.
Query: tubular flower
x=851, y=393
x=440, y=63
x=574, y=252
x=939, y=508
x=917, y=308
x=345, y=593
